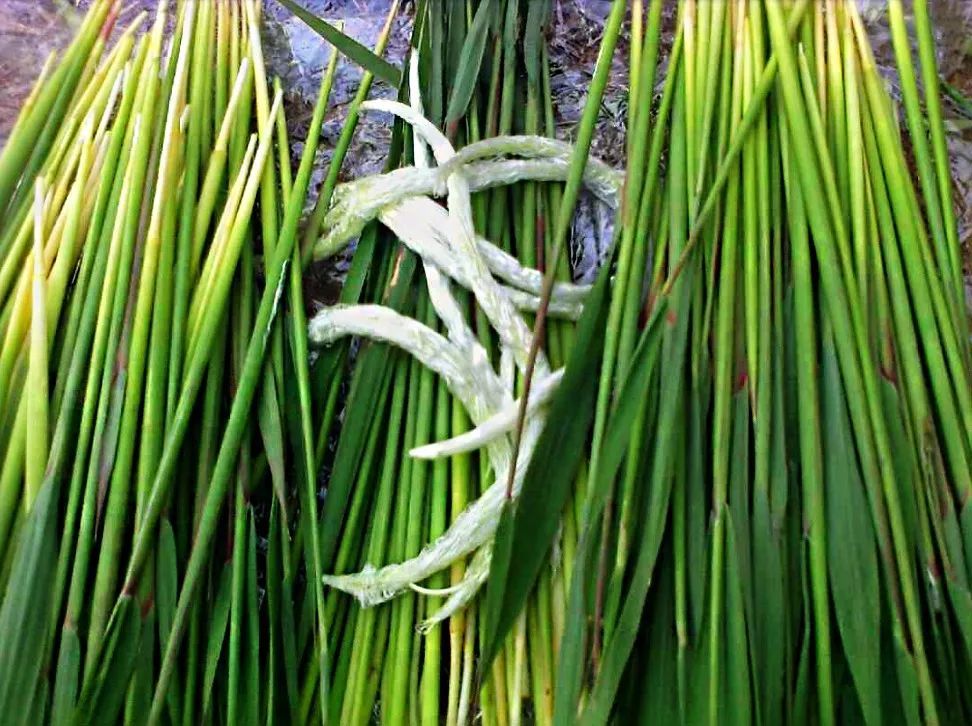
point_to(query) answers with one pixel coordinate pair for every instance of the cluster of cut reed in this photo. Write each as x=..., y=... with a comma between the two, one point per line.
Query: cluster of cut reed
x=729, y=483
x=750, y=500
x=149, y=217
x=787, y=535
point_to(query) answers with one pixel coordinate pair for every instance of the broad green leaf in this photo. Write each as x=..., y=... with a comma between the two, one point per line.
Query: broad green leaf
x=738, y=684
x=39, y=703
x=802, y=695
x=166, y=580
x=904, y=457
x=456, y=22
x=252, y=659
x=740, y=496
x=217, y=634
x=697, y=678
x=104, y=692
x=657, y=687
x=499, y=572
x=771, y=626
x=166, y=594
x=67, y=677
x=138, y=696
x=347, y=45
x=24, y=616
x=470, y=60
x=271, y=431
x=961, y=601
x=965, y=516
x=890, y=692
x=533, y=37
x=549, y=478
x=952, y=535
x=769, y=613
x=907, y=683
x=851, y=548
x=696, y=512
x=432, y=69
x=110, y=441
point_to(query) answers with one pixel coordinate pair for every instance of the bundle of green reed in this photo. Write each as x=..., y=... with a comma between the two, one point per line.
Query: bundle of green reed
x=150, y=296
x=773, y=497
x=801, y=451
x=735, y=490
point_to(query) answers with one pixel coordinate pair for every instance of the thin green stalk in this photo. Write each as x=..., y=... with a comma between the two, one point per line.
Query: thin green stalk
x=933, y=107
x=298, y=333
x=811, y=463
x=313, y=226
x=724, y=385
x=937, y=195
x=189, y=199
x=36, y=393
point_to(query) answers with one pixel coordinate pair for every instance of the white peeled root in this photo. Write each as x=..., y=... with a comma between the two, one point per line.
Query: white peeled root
x=499, y=424
x=473, y=528
x=451, y=253
x=473, y=579
x=358, y=202
x=419, y=222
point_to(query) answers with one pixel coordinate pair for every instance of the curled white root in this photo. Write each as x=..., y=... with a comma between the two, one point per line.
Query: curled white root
x=464, y=591
x=419, y=223
x=358, y=202
x=500, y=423
x=451, y=252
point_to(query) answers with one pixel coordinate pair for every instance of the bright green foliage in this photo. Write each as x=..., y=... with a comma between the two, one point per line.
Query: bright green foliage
x=751, y=497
